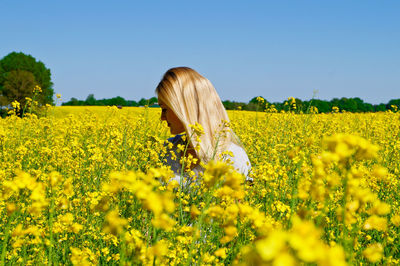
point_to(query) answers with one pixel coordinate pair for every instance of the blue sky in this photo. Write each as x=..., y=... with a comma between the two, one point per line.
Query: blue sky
x=276, y=49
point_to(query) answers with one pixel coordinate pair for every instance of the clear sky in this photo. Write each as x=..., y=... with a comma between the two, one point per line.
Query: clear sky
x=275, y=49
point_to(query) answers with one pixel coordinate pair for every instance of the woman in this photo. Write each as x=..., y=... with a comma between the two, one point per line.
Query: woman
x=187, y=98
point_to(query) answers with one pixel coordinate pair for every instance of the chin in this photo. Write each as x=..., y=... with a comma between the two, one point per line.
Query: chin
x=175, y=132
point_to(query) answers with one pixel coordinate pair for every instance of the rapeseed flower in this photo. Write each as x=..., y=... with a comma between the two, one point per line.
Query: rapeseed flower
x=88, y=185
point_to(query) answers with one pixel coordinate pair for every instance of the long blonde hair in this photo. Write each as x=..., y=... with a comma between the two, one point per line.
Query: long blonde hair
x=194, y=99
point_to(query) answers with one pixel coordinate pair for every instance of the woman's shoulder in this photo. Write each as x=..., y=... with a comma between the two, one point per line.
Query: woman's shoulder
x=239, y=158
x=238, y=151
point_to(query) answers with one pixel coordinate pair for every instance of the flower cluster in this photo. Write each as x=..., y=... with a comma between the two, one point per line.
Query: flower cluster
x=89, y=185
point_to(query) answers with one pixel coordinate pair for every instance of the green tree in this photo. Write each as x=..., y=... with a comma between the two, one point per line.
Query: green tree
x=299, y=105
x=73, y=102
x=368, y=107
x=132, y=103
x=322, y=106
x=153, y=100
x=256, y=105
x=22, y=63
x=17, y=85
x=228, y=105
x=90, y=100
x=380, y=107
x=395, y=102
x=143, y=102
x=118, y=101
x=360, y=105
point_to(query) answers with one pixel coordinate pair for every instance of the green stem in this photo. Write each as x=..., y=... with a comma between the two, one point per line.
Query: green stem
x=265, y=197
x=51, y=231
x=344, y=228
x=122, y=250
x=182, y=177
x=294, y=184
x=7, y=235
x=199, y=223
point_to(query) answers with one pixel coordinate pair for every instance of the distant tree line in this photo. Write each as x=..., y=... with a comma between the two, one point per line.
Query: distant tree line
x=117, y=101
x=259, y=104
x=354, y=105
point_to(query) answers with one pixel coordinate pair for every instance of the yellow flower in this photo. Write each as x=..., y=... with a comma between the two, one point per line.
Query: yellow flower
x=55, y=178
x=67, y=218
x=76, y=228
x=197, y=129
x=194, y=212
x=11, y=208
x=79, y=257
x=159, y=249
x=114, y=224
x=380, y=172
x=220, y=253
x=395, y=220
x=376, y=222
x=305, y=238
x=163, y=221
x=18, y=231
x=68, y=188
x=284, y=259
x=37, y=89
x=374, y=252
x=260, y=100
x=270, y=247
x=380, y=208
x=214, y=172
x=230, y=234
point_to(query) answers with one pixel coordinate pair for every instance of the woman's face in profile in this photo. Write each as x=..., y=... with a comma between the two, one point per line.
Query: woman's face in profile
x=174, y=124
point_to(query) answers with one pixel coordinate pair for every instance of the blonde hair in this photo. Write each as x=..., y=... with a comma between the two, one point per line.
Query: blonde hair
x=194, y=99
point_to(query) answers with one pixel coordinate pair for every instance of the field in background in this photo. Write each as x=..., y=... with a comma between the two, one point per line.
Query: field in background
x=86, y=185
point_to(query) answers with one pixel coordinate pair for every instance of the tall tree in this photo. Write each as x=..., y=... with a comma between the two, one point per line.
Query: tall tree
x=394, y=102
x=143, y=102
x=90, y=100
x=22, y=63
x=18, y=84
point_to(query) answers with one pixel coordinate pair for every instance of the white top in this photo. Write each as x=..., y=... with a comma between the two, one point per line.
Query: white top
x=240, y=161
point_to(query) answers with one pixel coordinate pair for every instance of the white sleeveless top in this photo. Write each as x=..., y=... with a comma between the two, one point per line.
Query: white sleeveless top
x=240, y=161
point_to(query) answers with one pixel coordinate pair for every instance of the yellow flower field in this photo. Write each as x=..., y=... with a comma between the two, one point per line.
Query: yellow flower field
x=87, y=185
